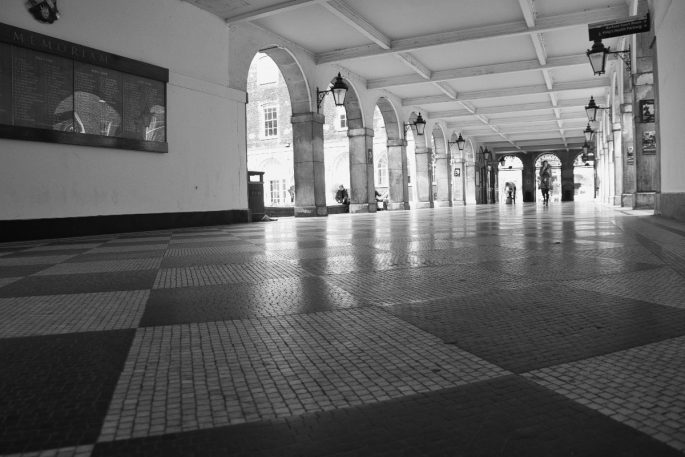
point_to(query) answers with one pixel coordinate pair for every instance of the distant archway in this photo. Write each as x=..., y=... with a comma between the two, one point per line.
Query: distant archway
x=511, y=170
x=583, y=179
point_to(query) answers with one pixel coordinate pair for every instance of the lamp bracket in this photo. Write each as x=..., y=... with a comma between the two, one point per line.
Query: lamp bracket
x=320, y=95
x=625, y=57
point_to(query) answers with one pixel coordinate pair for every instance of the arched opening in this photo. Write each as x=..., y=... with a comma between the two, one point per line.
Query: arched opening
x=336, y=148
x=380, y=159
x=511, y=171
x=390, y=166
x=583, y=179
x=269, y=132
x=555, y=163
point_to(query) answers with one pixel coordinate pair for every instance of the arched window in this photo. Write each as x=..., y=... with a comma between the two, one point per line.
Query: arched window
x=267, y=71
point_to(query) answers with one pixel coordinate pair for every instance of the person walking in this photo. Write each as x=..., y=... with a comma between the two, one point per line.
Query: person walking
x=545, y=181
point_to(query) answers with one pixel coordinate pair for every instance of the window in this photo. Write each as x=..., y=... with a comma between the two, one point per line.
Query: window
x=270, y=121
x=278, y=192
x=267, y=71
x=343, y=120
x=382, y=171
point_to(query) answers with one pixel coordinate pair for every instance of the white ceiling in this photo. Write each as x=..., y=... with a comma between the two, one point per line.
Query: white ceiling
x=513, y=74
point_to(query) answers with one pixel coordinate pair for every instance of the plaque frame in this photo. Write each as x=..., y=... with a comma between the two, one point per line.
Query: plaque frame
x=27, y=39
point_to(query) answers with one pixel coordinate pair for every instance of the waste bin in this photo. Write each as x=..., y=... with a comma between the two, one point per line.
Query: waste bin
x=255, y=195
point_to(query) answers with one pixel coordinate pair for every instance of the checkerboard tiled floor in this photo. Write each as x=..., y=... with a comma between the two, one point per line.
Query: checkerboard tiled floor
x=476, y=331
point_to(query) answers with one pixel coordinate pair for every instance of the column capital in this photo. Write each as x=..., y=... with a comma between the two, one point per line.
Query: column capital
x=396, y=143
x=364, y=131
x=308, y=117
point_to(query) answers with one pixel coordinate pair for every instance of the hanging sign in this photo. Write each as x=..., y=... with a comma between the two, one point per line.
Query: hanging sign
x=618, y=27
x=43, y=10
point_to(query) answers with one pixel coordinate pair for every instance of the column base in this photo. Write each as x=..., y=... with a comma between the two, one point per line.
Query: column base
x=311, y=211
x=362, y=208
x=645, y=200
x=441, y=204
x=671, y=205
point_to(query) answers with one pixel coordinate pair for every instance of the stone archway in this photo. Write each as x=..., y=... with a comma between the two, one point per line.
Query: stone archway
x=510, y=169
x=398, y=191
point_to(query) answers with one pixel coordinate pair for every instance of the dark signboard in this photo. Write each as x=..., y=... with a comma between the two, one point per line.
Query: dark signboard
x=42, y=88
x=618, y=27
x=5, y=84
x=55, y=91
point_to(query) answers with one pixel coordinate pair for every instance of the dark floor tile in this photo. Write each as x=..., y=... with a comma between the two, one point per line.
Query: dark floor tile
x=242, y=301
x=123, y=255
x=16, y=271
x=219, y=258
x=503, y=417
x=80, y=283
x=532, y=328
x=55, y=390
x=46, y=252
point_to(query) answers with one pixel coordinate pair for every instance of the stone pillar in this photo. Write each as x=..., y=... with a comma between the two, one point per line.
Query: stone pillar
x=423, y=183
x=470, y=171
x=442, y=179
x=362, y=187
x=458, y=182
x=618, y=166
x=567, y=184
x=310, y=177
x=398, y=190
x=646, y=161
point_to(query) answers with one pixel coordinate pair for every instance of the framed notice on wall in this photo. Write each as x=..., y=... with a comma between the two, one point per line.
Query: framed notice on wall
x=646, y=111
x=649, y=142
x=56, y=91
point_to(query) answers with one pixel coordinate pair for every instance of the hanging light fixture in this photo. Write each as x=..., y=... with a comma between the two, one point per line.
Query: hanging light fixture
x=588, y=132
x=591, y=110
x=598, y=57
x=419, y=123
x=460, y=142
x=339, y=90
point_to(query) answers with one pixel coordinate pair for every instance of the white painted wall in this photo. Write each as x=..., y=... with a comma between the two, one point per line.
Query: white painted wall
x=669, y=17
x=205, y=167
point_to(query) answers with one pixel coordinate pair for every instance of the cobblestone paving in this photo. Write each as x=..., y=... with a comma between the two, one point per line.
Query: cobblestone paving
x=473, y=331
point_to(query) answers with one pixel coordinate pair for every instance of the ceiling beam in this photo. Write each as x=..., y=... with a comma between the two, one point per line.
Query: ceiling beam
x=510, y=29
x=356, y=21
x=588, y=84
x=412, y=62
x=481, y=70
x=503, y=109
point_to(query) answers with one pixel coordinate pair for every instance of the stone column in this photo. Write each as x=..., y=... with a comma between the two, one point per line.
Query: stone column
x=470, y=171
x=644, y=106
x=398, y=190
x=442, y=180
x=618, y=166
x=567, y=184
x=310, y=189
x=422, y=183
x=458, y=183
x=362, y=187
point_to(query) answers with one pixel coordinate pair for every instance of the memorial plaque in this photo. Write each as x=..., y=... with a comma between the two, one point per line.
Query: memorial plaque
x=42, y=90
x=5, y=84
x=144, y=109
x=98, y=100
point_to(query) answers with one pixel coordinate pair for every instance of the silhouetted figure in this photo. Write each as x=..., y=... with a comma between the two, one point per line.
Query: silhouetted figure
x=545, y=181
x=341, y=196
x=510, y=189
